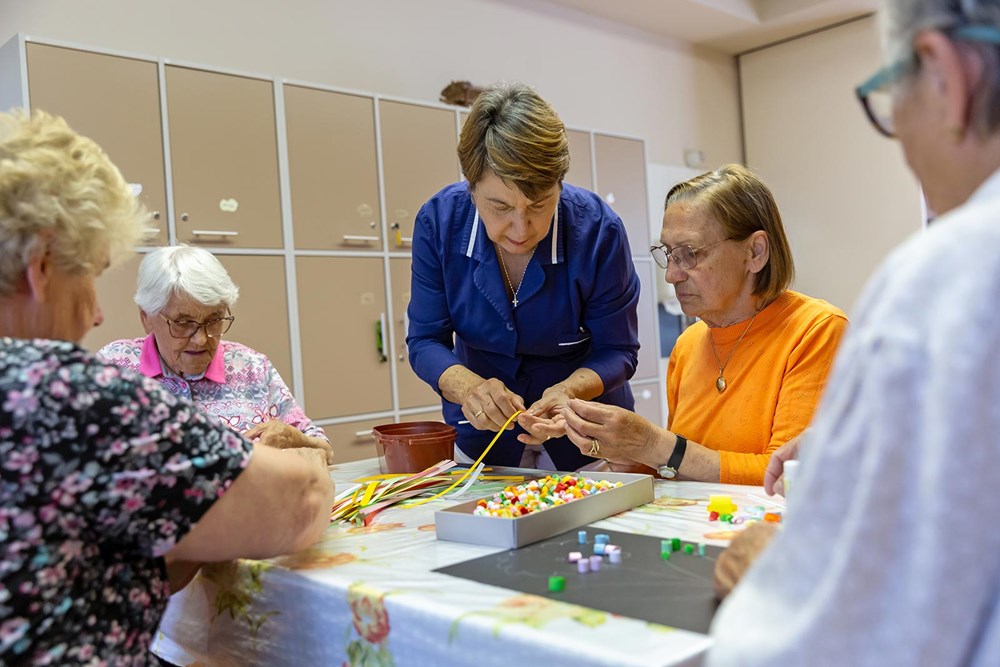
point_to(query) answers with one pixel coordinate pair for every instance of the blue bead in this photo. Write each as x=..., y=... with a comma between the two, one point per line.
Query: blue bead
x=582, y=536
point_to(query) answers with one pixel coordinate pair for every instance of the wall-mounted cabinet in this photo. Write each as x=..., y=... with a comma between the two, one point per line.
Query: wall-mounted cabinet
x=224, y=159
x=333, y=170
x=413, y=392
x=621, y=181
x=116, y=102
x=581, y=163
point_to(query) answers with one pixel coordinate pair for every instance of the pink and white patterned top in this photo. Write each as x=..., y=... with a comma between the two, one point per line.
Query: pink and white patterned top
x=240, y=386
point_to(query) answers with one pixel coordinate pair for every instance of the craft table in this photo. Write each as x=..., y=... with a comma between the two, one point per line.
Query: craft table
x=369, y=596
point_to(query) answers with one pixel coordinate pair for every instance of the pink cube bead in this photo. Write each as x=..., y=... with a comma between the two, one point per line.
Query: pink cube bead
x=575, y=556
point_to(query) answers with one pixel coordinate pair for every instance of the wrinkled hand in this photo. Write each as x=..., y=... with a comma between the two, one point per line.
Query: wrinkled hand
x=544, y=420
x=742, y=552
x=622, y=435
x=490, y=404
x=279, y=435
x=774, y=476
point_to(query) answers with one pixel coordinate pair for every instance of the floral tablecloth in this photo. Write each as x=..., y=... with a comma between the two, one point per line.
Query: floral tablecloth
x=367, y=596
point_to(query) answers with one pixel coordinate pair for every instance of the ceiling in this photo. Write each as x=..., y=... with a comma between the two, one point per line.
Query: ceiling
x=731, y=26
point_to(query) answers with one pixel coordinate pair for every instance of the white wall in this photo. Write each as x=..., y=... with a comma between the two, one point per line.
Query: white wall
x=596, y=75
x=845, y=193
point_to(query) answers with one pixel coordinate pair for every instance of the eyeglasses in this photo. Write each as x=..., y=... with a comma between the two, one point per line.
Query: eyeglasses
x=188, y=328
x=685, y=257
x=875, y=94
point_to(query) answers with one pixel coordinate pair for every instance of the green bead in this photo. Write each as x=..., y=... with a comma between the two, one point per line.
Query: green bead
x=677, y=544
x=557, y=584
x=665, y=555
x=689, y=548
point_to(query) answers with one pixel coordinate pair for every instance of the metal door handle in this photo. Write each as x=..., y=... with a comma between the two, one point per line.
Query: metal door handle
x=213, y=232
x=351, y=238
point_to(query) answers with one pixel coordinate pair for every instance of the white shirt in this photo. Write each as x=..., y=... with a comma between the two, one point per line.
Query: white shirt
x=890, y=553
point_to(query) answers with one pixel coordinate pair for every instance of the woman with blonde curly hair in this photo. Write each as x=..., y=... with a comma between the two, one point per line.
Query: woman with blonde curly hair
x=111, y=489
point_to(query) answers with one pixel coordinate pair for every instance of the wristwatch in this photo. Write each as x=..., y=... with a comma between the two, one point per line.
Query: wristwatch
x=669, y=471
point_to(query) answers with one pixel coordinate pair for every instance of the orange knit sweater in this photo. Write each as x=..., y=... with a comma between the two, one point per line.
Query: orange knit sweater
x=775, y=379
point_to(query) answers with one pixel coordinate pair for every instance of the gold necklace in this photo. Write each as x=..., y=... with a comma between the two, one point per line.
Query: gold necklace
x=503, y=266
x=720, y=382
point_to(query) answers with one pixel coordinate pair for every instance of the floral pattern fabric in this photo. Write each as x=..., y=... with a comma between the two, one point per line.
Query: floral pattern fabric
x=249, y=393
x=102, y=471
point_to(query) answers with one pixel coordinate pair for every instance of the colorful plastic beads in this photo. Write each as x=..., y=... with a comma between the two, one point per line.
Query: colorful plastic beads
x=721, y=504
x=557, y=584
x=540, y=494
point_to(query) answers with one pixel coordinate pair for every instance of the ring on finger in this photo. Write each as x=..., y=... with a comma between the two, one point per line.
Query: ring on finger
x=478, y=414
x=595, y=447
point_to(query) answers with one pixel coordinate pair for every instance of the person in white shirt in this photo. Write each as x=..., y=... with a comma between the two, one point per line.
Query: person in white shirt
x=888, y=555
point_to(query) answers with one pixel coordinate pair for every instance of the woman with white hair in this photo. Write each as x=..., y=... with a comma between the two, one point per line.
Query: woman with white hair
x=185, y=298
x=111, y=488
x=887, y=556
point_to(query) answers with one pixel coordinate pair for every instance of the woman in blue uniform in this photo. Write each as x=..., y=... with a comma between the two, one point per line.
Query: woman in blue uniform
x=523, y=290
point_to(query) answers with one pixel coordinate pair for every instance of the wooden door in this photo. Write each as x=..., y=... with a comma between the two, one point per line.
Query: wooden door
x=621, y=181
x=418, y=159
x=333, y=171
x=413, y=392
x=224, y=158
x=262, y=310
x=114, y=101
x=341, y=316
x=649, y=344
x=115, y=292
x=581, y=171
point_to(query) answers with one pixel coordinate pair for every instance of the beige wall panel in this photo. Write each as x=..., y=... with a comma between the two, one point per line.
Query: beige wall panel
x=430, y=416
x=845, y=194
x=418, y=159
x=649, y=346
x=262, y=310
x=621, y=181
x=581, y=172
x=332, y=169
x=647, y=403
x=353, y=441
x=225, y=159
x=115, y=289
x=114, y=101
x=413, y=392
x=341, y=301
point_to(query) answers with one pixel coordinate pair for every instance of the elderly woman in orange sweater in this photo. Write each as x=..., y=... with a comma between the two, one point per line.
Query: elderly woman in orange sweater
x=745, y=379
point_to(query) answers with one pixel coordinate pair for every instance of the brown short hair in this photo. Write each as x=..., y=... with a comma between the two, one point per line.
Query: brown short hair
x=742, y=204
x=514, y=133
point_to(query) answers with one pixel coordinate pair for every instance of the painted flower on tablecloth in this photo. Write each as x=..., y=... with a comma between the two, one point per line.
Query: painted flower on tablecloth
x=722, y=535
x=536, y=612
x=314, y=559
x=370, y=620
x=374, y=528
x=665, y=504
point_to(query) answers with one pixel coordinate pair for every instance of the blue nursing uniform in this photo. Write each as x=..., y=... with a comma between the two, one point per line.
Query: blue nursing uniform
x=576, y=308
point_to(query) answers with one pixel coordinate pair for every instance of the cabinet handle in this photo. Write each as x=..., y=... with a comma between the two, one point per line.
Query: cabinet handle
x=380, y=331
x=184, y=217
x=405, y=240
x=156, y=215
x=351, y=238
x=213, y=232
x=362, y=434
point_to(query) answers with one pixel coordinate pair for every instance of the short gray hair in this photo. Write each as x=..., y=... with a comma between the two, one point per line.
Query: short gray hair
x=903, y=19
x=183, y=271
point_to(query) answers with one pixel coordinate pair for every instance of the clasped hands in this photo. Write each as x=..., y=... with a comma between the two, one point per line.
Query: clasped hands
x=279, y=435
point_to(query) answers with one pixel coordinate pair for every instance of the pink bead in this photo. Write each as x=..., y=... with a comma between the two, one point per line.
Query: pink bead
x=595, y=563
x=583, y=566
x=575, y=556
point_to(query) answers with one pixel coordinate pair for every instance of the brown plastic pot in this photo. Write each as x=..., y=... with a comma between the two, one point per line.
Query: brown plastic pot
x=413, y=446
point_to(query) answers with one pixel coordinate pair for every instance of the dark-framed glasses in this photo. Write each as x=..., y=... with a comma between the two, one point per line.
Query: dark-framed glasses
x=188, y=328
x=875, y=94
x=684, y=256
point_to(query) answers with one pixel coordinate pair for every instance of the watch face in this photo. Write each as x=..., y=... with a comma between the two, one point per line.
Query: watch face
x=666, y=472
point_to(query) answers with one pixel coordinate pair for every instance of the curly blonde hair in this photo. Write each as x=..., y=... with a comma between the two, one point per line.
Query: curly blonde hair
x=514, y=133
x=55, y=183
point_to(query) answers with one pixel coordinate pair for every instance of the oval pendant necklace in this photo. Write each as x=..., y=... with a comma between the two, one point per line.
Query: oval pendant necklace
x=720, y=382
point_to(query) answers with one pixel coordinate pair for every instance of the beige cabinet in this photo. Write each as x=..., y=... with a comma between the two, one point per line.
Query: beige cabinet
x=647, y=402
x=114, y=101
x=418, y=159
x=344, y=333
x=581, y=172
x=262, y=310
x=649, y=344
x=115, y=291
x=224, y=155
x=429, y=416
x=353, y=441
x=333, y=170
x=413, y=392
x=621, y=181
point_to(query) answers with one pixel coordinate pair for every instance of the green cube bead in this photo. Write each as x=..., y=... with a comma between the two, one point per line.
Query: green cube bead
x=689, y=548
x=557, y=584
x=677, y=544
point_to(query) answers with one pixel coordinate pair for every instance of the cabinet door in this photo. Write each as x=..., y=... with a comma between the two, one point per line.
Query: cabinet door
x=262, y=310
x=114, y=101
x=418, y=159
x=581, y=171
x=341, y=312
x=224, y=158
x=332, y=168
x=413, y=392
x=115, y=291
x=353, y=441
x=649, y=344
x=647, y=403
x=430, y=416
x=621, y=181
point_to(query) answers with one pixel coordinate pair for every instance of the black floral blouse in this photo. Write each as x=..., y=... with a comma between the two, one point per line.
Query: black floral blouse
x=102, y=471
